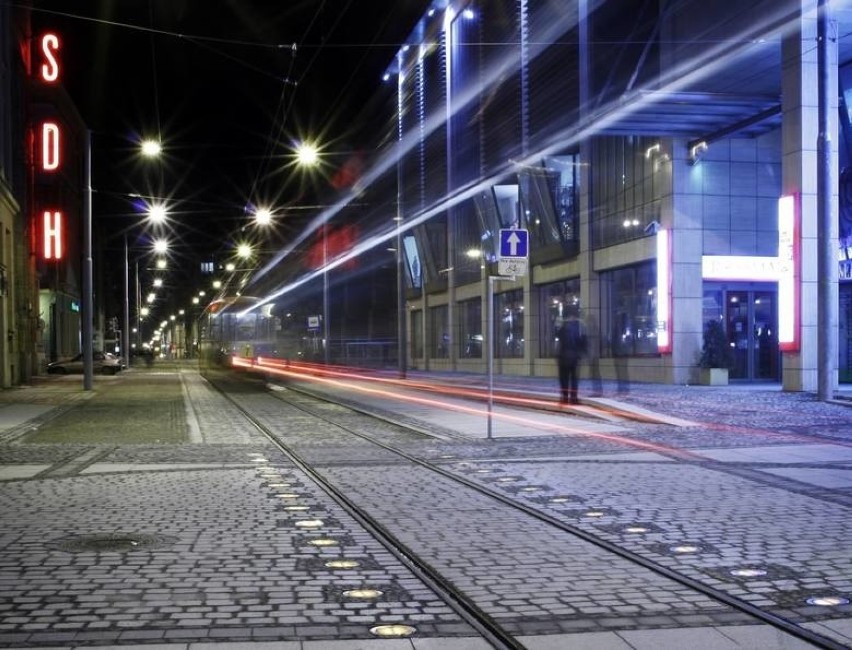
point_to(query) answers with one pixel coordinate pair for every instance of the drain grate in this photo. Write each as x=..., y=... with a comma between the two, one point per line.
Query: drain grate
x=111, y=543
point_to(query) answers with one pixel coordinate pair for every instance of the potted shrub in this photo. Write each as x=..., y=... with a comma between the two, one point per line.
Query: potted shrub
x=716, y=355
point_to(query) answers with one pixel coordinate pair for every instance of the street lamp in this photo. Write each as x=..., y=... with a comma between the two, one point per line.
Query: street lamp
x=157, y=213
x=151, y=148
x=307, y=154
x=244, y=251
x=263, y=217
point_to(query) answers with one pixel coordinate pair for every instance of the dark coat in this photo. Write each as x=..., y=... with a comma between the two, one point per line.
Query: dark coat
x=573, y=343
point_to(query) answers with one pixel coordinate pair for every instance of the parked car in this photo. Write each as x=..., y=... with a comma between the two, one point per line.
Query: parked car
x=102, y=362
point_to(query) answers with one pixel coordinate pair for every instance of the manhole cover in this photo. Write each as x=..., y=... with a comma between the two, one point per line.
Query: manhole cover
x=111, y=543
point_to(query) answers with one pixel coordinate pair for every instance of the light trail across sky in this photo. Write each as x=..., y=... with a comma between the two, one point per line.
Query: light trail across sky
x=708, y=60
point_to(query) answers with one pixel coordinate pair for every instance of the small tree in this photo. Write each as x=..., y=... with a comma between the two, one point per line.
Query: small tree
x=716, y=351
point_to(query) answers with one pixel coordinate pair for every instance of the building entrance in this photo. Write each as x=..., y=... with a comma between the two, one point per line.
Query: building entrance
x=752, y=323
x=750, y=314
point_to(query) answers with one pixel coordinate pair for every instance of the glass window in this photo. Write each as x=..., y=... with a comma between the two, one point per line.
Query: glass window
x=417, y=334
x=538, y=191
x=629, y=175
x=567, y=201
x=439, y=333
x=470, y=328
x=468, y=243
x=509, y=324
x=558, y=300
x=507, y=199
x=631, y=295
x=412, y=258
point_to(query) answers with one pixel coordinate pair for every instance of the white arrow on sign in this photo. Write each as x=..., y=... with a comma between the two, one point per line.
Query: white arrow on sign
x=513, y=240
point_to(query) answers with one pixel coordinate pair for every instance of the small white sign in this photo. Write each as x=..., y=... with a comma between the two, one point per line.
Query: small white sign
x=512, y=266
x=313, y=322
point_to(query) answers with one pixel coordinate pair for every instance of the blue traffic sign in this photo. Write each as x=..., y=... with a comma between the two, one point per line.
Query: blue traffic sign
x=514, y=243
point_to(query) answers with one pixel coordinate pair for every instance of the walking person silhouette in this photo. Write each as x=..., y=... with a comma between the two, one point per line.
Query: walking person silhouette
x=572, y=347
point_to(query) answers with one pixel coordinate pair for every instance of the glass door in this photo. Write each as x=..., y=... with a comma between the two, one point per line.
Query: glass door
x=739, y=327
x=766, y=356
x=751, y=321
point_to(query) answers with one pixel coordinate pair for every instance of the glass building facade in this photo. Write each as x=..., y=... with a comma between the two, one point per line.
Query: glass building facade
x=653, y=174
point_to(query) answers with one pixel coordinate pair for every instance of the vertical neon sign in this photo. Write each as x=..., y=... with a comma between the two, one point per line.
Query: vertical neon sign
x=664, y=292
x=789, y=297
x=50, y=133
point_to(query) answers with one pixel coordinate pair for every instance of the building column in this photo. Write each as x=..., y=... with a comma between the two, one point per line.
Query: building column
x=800, y=110
x=683, y=215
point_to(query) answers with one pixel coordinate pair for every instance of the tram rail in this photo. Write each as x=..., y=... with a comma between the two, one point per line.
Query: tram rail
x=464, y=605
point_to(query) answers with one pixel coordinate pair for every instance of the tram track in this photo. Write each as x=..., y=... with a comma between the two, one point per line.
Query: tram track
x=466, y=607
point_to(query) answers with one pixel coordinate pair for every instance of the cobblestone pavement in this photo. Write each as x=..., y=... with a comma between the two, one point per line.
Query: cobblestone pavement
x=127, y=524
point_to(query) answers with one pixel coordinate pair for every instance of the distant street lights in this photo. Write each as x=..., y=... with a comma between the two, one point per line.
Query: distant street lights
x=157, y=213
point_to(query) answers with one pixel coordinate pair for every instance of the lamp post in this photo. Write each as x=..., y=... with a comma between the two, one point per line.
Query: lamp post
x=125, y=344
x=87, y=301
x=326, y=330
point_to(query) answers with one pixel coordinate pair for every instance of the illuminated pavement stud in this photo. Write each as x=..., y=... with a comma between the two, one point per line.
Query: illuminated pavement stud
x=342, y=564
x=393, y=631
x=635, y=530
x=310, y=523
x=363, y=594
x=323, y=541
x=827, y=601
x=748, y=573
x=560, y=500
x=684, y=548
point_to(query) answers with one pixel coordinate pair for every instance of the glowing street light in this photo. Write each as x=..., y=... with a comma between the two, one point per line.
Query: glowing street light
x=158, y=282
x=161, y=263
x=161, y=246
x=157, y=213
x=307, y=155
x=151, y=148
x=263, y=217
x=244, y=251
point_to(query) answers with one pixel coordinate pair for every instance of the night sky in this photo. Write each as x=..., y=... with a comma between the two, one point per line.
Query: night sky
x=228, y=85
